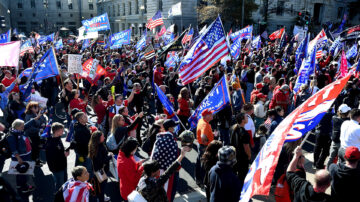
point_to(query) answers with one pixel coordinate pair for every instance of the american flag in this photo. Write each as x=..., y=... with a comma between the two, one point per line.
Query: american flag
x=155, y=21
x=319, y=53
x=76, y=191
x=26, y=46
x=165, y=149
x=206, y=52
x=277, y=34
x=162, y=31
x=149, y=52
x=188, y=36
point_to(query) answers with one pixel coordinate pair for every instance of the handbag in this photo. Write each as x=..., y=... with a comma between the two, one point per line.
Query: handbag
x=111, y=142
x=101, y=175
x=135, y=196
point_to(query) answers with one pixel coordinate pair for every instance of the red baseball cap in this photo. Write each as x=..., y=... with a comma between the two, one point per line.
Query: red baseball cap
x=352, y=153
x=206, y=112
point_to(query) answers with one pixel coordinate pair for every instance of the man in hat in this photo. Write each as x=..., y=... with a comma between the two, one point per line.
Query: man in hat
x=224, y=184
x=346, y=177
x=259, y=86
x=280, y=98
x=204, y=136
x=165, y=152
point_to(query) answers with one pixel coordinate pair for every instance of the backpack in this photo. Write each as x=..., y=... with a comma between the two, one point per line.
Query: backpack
x=282, y=190
x=5, y=150
x=111, y=142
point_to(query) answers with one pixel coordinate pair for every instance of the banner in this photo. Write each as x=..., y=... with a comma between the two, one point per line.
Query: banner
x=216, y=100
x=302, y=119
x=86, y=35
x=244, y=33
x=9, y=54
x=301, y=31
x=74, y=64
x=119, y=39
x=306, y=69
x=87, y=66
x=235, y=48
x=97, y=23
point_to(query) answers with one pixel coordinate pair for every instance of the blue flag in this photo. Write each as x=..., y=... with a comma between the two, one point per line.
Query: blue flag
x=301, y=51
x=171, y=59
x=119, y=39
x=334, y=45
x=141, y=44
x=86, y=44
x=216, y=100
x=6, y=37
x=97, y=23
x=306, y=69
x=59, y=44
x=166, y=103
x=256, y=42
x=352, y=52
x=47, y=38
x=244, y=33
x=236, y=48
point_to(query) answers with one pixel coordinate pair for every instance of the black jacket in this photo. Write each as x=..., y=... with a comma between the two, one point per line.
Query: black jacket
x=337, y=121
x=345, y=182
x=55, y=156
x=101, y=158
x=224, y=184
x=81, y=140
x=303, y=190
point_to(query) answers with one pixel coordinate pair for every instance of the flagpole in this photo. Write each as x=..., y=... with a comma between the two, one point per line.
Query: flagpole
x=57, y=66
x=228, y=91
x=304, y=140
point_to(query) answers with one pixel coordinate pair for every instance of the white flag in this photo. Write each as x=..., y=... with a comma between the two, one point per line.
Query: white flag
x=175, y=10
x=87, y=35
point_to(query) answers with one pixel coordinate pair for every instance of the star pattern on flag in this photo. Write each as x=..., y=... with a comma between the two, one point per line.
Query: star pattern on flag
x=166, y=150
x=214, y=34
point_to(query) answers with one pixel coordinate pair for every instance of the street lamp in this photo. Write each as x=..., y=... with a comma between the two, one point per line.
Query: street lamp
x=142, y=8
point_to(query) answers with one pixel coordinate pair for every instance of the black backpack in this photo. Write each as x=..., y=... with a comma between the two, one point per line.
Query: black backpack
x=5, y=150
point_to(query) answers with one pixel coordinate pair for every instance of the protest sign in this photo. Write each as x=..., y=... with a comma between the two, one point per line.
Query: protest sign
x=74, y=63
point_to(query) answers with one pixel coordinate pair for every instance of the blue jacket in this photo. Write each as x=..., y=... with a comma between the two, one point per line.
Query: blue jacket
x=19, y=142
x=4, y=96
x=224, y=184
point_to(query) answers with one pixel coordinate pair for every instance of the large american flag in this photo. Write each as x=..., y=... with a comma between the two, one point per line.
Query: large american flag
x=188, y=36
x=26, y=46
x=208, y=50
x=149, y=52
x=155, y=21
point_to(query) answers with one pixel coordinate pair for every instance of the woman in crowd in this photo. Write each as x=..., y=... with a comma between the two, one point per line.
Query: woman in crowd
x=208, y=160
x=76, y=102
x=100, y=108
x=16, y=107
x=129, y=170
x=259, y=110
x=99, y=157
x=185, y=104
x=35, y=129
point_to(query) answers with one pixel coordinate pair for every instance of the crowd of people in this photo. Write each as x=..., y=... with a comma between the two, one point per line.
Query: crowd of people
x=109, y=121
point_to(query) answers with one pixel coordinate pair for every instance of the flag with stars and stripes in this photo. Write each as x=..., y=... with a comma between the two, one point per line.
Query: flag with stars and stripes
x=155, y=21
x=26, y=47
x=208, y=50
x=188, y=36
x=149, y=52
x=171, y=59
x=165, y=149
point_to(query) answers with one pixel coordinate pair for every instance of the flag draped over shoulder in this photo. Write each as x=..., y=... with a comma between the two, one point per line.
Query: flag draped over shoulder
x=216, y=100
x=9, y=54
x=301, y=120
x=208, y=50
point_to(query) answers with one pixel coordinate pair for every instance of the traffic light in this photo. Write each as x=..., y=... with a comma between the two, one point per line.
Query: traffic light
x=2, y=22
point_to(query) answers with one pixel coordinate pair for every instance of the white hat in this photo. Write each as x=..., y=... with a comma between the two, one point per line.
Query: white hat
x=344, y=108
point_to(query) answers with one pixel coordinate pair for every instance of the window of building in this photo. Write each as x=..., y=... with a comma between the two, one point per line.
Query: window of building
x=32, y=3
x=70, y=5
x=160, y=5
x=20, y=14
x=136, y=7
x=123, y=9
x=60, y=23
x=118, y=10
x=34, y=14
x=123, y=26
x=58, y=4
x=129, y=7
x=20, y=5
x=91, y=6
x=72, y=23
x=318, y=13
x=71, y=15
x=114, y=13
x=90, y=1
x=145, y=6
x=59, y=14
x=280, y=8
x=21, y=23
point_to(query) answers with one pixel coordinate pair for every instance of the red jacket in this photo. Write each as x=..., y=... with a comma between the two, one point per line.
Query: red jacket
x=184, y=109
x=253, y=95
x=78, y=103
x=279, y=99
x=100, y=110
x=130, y=173
x=7, y=82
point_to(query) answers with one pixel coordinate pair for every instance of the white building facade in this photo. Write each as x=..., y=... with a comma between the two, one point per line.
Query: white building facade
x=47, y=16
x=133, y=14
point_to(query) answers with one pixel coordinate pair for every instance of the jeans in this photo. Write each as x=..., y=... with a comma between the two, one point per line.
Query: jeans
x=60, y=178
x=321, y=150
x=199, y=170
x=249, y=89
x=224, y=136
x=334, y=149
x=86, y=163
